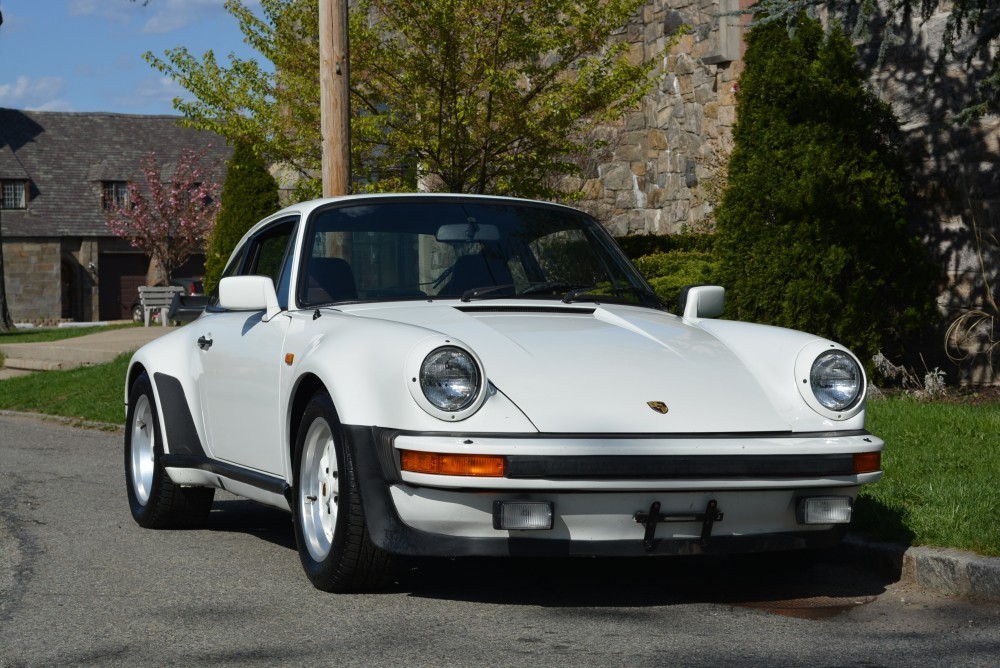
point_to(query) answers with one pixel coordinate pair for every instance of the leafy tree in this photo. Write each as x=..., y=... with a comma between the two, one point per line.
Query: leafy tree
x=971, y=31
x=276, y=112
x=812, y=231
x=169, y=220
x=465, y=95
x=490, y=95
x=249, y=194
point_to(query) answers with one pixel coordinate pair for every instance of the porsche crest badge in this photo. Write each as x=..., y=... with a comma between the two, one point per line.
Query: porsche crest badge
x=658, y=406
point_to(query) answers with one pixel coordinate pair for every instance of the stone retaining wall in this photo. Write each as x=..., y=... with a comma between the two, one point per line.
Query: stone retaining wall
x=659, y=170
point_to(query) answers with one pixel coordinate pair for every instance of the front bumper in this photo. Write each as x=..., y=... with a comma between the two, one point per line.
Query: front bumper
x=756, y=481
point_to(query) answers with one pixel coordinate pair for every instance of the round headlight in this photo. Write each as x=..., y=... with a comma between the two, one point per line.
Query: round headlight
x=449, y=378
x=836, y=380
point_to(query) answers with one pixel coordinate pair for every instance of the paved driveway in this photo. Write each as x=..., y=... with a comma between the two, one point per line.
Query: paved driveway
x=81, y=584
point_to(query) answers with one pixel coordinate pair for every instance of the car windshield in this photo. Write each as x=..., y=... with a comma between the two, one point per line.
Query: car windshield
x=463, y=249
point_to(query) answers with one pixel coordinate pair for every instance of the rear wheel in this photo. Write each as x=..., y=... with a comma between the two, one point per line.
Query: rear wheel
x=334, y=547
x=156, y=502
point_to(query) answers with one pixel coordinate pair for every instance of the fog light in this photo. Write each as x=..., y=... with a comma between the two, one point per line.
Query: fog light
x=824, y=510
x=522, y=515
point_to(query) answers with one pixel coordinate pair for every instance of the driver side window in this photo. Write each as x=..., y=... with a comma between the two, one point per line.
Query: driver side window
x=270, y=255
x=267, y=254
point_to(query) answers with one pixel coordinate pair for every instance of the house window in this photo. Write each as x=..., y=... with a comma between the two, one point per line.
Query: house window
x=114, y=194
x=15, y=194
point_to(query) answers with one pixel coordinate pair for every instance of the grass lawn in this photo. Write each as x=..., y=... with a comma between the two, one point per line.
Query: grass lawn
x=942, y=460
x=90, y=392
x=942, y=475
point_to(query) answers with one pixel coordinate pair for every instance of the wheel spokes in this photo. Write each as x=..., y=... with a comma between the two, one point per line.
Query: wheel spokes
x=142, y=449
x=320, y=490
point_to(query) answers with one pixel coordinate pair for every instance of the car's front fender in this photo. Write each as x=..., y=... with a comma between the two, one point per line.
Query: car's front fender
x=362, y=363
x=174, y=372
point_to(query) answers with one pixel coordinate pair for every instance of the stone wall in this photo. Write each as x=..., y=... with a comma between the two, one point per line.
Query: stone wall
x=653, y=171
x=32, y=274
x=956, y=186
x=659, y=170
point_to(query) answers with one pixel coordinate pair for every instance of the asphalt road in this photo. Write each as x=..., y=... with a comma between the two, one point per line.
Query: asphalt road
x=81, y=584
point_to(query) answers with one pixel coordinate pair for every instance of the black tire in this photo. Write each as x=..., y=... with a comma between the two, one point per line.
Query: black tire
x=333, y=543
x=156, y=502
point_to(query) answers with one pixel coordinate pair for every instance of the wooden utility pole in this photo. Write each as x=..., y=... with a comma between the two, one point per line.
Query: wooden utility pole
x=335, y=109
x=6, y=323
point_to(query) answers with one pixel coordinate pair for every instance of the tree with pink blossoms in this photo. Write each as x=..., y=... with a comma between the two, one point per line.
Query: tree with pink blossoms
x=172, y=215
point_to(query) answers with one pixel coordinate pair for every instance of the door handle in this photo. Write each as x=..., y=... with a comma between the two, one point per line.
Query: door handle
x=204, y=343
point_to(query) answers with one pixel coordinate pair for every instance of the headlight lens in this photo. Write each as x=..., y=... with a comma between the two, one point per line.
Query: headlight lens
x=836, y=380
x=449, y=378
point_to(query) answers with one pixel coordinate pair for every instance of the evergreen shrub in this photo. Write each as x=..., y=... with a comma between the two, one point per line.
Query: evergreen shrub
x=249, y=194
x=638, y=245
x=669, y=272
x=812, y=232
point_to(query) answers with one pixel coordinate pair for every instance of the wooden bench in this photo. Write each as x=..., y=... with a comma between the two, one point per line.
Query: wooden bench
x=157, y=297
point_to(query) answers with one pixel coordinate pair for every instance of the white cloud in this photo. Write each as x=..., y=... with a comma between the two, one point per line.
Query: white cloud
x=153, y=91
x=157, y=16
x=119, y=12
x=41, y=94
x=171, y=15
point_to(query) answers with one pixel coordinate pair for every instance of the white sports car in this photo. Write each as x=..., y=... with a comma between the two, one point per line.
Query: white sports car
x=462, y=375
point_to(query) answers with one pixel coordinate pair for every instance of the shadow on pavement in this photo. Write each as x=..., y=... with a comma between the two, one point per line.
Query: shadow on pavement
x=242, y=516
x=796, y=584
x=772, y=582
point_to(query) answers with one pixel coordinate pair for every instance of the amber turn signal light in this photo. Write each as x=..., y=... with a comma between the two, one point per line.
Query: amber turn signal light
x=867, y=462
x=489, y=466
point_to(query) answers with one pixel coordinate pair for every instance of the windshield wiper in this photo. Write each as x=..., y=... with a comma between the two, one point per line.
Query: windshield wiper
x=577, y=294
x=476, y=293
x=553, y=286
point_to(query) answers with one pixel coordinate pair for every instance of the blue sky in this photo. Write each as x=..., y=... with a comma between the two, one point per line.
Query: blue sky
x=86, y=55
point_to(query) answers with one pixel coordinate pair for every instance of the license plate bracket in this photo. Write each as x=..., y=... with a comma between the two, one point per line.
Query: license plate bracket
x=653, y=516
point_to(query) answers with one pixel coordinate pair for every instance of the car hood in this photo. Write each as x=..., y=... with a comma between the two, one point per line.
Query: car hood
x=590, y=368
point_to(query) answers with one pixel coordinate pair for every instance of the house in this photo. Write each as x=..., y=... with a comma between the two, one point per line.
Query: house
x=60, y=172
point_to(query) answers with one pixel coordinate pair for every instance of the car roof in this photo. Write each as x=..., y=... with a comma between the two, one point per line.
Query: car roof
x=306, y=207
x=310, y=205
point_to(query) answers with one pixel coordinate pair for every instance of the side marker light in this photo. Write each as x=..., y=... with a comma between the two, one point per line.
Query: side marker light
x=488, y=466
x=867, y=462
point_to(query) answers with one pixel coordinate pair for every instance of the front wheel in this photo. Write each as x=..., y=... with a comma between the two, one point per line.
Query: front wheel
x=334, y=547
x=156, y=502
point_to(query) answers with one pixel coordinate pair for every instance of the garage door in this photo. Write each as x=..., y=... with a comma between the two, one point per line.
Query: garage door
x=120, y=276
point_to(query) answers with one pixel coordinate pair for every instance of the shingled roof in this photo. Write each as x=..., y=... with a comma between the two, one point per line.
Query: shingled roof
x=65, y=157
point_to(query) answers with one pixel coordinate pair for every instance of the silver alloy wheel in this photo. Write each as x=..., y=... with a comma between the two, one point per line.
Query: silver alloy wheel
x=143, y=444
x=319, y=491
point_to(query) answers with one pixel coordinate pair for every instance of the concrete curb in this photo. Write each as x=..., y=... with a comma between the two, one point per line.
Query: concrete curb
x=939, y=569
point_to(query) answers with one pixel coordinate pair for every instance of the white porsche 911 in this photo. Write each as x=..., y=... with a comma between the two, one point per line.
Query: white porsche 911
x=463, y=375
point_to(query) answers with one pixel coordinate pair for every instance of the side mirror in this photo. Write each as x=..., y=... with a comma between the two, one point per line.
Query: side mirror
x=249, y=293
x=702, y=301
